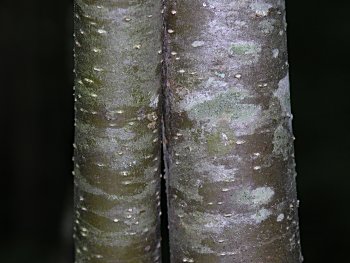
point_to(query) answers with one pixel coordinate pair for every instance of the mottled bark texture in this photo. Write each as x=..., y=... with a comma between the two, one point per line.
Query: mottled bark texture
x=232, y=194
x=117, y=146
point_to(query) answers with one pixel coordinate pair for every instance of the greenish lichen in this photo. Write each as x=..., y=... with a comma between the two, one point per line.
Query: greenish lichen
x=188, y=187
x=225, y=109
x=220, y=75
x=218, y=173
x=275, y=53
x=227, y=104
x=260, y=7
x=267, y=26
x=283, y=94
x=219, y=143
x=261, y=215
x=244, y=48
x=254, y=197
x=197, y=43
x=282, y=142
x=245, y=52
x=198, y=227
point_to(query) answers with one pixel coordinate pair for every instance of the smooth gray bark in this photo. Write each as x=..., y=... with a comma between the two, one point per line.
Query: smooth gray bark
x=232, y=193
x=117, y=146
x=228, y=137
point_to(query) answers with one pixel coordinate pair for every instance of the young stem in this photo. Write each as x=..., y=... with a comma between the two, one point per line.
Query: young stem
x=232, y=194
x=117, y=137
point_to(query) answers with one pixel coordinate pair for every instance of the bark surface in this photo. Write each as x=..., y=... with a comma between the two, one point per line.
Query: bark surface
x=117, y=152
x=232, y=193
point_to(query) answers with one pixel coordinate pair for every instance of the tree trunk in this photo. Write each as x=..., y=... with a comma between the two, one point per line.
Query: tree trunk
x=117, y=152
x=232, y=194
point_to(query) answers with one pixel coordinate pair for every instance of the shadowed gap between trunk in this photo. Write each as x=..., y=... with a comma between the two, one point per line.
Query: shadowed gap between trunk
x=165, y=250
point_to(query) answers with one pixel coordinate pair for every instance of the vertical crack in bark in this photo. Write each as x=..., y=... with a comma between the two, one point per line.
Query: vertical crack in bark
x=164, y=157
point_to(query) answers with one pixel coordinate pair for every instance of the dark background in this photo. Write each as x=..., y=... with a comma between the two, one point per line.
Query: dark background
x=36, y=110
